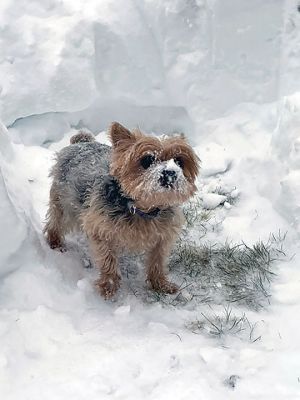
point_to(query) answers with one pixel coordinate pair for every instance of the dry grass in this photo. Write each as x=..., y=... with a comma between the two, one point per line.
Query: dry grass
x=228, y=273
x=224, y=324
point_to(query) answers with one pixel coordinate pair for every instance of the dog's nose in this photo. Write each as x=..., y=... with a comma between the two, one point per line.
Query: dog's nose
x=168, y=177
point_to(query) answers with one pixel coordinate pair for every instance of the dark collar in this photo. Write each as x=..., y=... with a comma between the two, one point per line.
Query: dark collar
x=147, y=215
x=121, y=204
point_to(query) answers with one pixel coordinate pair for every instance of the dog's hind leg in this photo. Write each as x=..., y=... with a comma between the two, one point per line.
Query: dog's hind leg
x=54, y=230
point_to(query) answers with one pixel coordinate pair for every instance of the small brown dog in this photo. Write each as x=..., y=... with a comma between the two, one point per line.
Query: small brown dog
x=127, y=196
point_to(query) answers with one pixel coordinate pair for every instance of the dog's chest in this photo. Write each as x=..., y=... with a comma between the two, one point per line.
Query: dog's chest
x=113, y=216
x=141, y=234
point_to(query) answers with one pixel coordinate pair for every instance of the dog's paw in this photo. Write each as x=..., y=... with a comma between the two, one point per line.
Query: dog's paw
x=58, y=246
x=55, y=243
x=164, y=286
x=108, y=286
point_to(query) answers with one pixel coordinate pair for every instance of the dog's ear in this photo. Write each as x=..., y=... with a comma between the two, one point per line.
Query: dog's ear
x=120, y=136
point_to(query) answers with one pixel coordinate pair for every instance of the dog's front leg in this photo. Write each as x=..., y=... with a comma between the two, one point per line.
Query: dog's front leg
x=106, y=260
x=156, y=266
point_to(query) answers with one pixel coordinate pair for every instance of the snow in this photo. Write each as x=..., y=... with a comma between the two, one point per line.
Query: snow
x=225, y=74
x=14, y=223
x=212, y=200
x=214, y=160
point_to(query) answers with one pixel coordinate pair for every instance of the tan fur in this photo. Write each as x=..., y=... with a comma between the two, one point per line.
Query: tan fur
x=107, y=236
x=108, y=240
x=54, y=228
x=130, y=147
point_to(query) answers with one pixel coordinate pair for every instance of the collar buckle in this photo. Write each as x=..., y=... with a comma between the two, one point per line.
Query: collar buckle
x=132, y=209
x=146, y=215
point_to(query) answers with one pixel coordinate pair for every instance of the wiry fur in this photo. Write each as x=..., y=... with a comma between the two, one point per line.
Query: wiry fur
x=94, y=187
x=82, y=137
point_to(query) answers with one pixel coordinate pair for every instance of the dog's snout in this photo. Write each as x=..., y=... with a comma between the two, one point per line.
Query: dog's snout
x=168, y=177
x=169, y=172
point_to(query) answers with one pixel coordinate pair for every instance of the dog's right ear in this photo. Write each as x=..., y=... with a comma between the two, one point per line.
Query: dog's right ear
x=120, y=136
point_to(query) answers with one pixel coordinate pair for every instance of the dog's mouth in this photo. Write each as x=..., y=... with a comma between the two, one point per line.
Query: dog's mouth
x=168, y=186
x=162, y=196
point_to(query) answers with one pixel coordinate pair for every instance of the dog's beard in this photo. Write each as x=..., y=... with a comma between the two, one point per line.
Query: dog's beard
x=148, y=191
x=152, y=178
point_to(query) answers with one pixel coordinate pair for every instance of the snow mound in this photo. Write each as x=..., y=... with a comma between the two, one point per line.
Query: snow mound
x=286, y=146
x=13, y=210
x=212, y=200
x=214, y=159
x=163, y=65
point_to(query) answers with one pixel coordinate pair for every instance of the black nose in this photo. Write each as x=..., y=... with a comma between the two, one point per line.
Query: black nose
x=168, y=177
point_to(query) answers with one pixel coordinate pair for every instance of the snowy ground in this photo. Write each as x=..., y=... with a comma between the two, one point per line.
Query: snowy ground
x=239, y=103
x=61, y=340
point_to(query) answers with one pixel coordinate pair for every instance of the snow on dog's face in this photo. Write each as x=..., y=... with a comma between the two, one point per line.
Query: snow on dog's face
x=154, y=172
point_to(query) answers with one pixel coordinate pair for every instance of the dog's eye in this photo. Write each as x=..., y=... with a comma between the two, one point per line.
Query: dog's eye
x=147, y=160
x=179, y=162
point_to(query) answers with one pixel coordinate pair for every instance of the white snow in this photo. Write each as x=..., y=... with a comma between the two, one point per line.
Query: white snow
x=214, y=160
x=224, y=73
x=212, y=200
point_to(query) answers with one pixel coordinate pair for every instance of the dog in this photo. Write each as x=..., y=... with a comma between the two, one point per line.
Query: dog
x=127, y=196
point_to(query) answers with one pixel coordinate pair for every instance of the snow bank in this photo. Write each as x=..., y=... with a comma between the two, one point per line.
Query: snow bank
x=14, y=229
x=20, y=198
x=163, y=65
x=290, y=49
x=286, y=148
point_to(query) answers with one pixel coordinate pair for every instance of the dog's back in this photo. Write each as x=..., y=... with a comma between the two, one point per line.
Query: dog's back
x=74, y=173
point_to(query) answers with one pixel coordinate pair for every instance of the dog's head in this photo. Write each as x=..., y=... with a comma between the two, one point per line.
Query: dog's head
x=155, y=172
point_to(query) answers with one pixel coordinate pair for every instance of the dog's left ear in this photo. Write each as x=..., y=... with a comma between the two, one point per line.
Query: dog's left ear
x=120, y=136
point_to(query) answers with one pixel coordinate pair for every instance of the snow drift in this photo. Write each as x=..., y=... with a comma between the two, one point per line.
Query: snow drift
x=167, y=65
x=14, y=206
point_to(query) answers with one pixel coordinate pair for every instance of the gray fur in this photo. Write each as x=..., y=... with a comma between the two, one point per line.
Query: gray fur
x=82, y=169
x=77, y=168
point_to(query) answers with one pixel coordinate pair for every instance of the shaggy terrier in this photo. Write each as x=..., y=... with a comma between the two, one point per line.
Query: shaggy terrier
x=127, y=196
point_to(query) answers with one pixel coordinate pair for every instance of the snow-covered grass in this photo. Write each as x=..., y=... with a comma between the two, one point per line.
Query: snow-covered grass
x=224, y=273
x=224, y=323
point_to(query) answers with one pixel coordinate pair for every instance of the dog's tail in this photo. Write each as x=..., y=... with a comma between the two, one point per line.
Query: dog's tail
x=82, y=137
